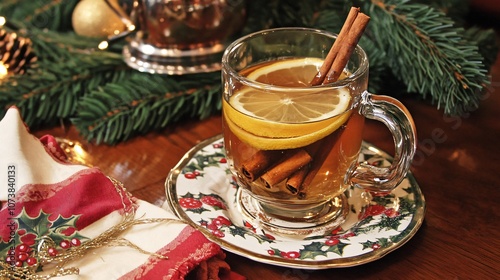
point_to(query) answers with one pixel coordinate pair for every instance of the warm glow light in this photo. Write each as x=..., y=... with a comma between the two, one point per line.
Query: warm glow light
x=2, y=21
x=3, y=71
x=103, y=45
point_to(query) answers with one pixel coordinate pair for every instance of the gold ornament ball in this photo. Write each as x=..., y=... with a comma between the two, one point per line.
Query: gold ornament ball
x=93, y=18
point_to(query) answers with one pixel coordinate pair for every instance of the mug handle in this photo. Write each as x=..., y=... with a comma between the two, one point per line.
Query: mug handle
x=129, y=24
x=397, y=118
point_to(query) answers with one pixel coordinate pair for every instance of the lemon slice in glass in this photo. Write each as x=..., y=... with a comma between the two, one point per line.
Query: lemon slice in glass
x=286, y=118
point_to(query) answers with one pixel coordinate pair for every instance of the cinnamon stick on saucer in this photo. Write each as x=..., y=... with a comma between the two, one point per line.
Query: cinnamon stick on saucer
x=342, y=48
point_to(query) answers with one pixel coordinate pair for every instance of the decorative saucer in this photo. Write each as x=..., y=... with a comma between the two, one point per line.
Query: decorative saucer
x=201, y=191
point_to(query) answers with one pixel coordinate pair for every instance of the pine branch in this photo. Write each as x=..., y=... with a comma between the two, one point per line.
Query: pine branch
x=487, y=42
x=50, y=91
x=433, y=58
x=145, y=103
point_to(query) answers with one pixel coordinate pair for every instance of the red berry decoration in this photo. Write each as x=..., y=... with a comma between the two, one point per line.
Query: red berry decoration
x=22, y=248
x=190, y=203
x=218, y=233
x=223, y=160
x=213, y=226
x=222, y=221
x=217, y=145
x=292, y=255
x=19, y=263
x=52, y=252
x=336, y=231
x=76, y=242
x=249, y=226
x=189, y=175
x=65, y=244
x=213, y=201
x=374, y=210
x=31, y=261
x=270, y=252
x=391, y=213
x=22, y=256
x=332, y=242
x=375, y=246
x=347, y=235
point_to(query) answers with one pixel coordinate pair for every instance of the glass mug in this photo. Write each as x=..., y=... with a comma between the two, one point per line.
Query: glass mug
x=292, y=147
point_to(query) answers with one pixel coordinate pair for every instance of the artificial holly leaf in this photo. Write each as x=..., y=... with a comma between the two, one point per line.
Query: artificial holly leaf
x=368, y=244
x=188, y=195
x=238, y=231
x=337, y=249
x=382, y=242
x=37, y=225
x=406, y=205
x=364, y=221
x=262, y=238
x=62, y=223
x=200, y=161
x=384, y=200
x=311, y=251
x=390, y=223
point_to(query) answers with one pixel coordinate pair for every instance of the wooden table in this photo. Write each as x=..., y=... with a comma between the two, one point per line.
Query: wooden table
x=458, y=172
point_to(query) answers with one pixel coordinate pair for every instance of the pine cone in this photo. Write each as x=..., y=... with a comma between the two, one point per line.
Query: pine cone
x=16, y=52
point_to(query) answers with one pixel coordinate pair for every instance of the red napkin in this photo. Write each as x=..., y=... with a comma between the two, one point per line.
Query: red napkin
x=75, y=212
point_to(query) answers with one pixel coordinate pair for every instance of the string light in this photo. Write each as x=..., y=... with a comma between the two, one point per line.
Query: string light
x=3, y=71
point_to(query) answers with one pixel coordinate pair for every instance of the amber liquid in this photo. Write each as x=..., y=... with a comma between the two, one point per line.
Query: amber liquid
x=332, y=156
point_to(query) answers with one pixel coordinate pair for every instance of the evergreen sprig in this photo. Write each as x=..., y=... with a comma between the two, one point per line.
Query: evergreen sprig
x=151, y=102
x=50, y=91
x=419, y=47
x=429, y=54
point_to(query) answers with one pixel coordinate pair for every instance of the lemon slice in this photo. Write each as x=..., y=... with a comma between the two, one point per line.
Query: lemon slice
x=297, y=72
x=284, y=117
x=274, y=143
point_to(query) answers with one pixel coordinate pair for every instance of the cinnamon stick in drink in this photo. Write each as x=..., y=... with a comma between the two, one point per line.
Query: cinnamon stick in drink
x=327, y=64
x=294, y=182
x=281, y=171
x=348, y=46
x=342, y=48
x=258, y=164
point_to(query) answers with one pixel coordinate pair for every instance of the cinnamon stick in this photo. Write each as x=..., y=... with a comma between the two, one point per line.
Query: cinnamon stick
x=294, y=182
x=258, y=164
x=285, y=168
x=342, y=48
x=330, y=57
